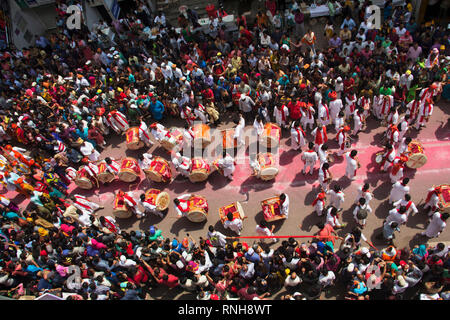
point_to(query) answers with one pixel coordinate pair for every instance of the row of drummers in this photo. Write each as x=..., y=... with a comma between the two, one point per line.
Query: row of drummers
x=195, y=207
x=158, y=169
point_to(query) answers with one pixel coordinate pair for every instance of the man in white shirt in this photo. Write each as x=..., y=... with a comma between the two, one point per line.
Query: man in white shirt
x=337, y=196
x=234, y=224
x=284, y=204
x=310, y=158
x=399, y=189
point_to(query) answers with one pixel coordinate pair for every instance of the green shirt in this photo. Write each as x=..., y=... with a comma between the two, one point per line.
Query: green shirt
x=156, y=235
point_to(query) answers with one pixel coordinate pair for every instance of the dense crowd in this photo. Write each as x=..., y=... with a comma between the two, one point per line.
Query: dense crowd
x=57, y=99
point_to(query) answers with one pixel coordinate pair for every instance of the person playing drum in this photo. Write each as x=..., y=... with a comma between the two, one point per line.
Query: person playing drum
x=112, y=166
x=91, y=169
x=397, y=168
x=233, y=223
x=158, y=131
x=188, y=136
x=182, y=164
x=432, y=202
x=149, y=207
x=392, y=134
x=425, y=112
x=109, y=224
x=388, y=157
x=227, y=164
x=130, y=202
x=182, y=205
x=145, y=160
x=84, y=204
x=254, y=164
x=118, y=121
x=144, y=134
x=284, y=205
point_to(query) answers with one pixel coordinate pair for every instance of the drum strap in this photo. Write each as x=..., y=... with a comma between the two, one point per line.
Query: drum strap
x=408, y=205
x=144, y=132
x=126, y=196
x=326, y=110
x=318, y=199
x=430, y=194
x=111, y=227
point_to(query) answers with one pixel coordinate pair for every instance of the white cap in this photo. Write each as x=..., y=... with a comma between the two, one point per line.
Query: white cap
x=251, y=251
x=149, y=60
x=351, y=267
x=364, y=250
x=339, y=79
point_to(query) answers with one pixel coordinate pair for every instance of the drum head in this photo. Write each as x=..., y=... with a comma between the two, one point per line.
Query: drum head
x=154, y=176
x=105, y=177
x=240, y=210
x=198, y=176
x=122, y=213
x=162, y=201
x=196, y=215
x=379, y=158
x=127, y=176
x=84, y=183
x=416, y=160
x=135, y=145
x=268, y=173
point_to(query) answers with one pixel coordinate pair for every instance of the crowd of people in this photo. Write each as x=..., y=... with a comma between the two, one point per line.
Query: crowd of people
x=63, y=98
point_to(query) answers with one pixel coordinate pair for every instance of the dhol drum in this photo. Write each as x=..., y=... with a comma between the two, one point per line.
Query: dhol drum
x=268, y=171
x=173, y=138
x=444, y=198
x=103, y=175
x=271, y=209
x=200, y=170
x=133, y=140
x=159, y=170
x=120, y=209
x=228, y=140
x=157, y=198
x=271, y=135
x=416, y=155
x=83, y=180
x=129, y=170
x=201, y=133
x=235, y=208
x=198, y=208
x=379, y=157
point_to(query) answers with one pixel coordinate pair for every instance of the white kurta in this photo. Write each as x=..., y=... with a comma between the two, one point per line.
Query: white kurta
x=278, y=113
x=159, y=132
x=335, y=107
x=297, y=138
x=239, y=132
x=183, y=205
x=144, y=134
x=352, y=166
x=85, y=205
x=398, y=192
x=310, y=158
x=435, y=226
x=88, y=150
x=144, y=164
x=234, y=225
x=336, y=198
